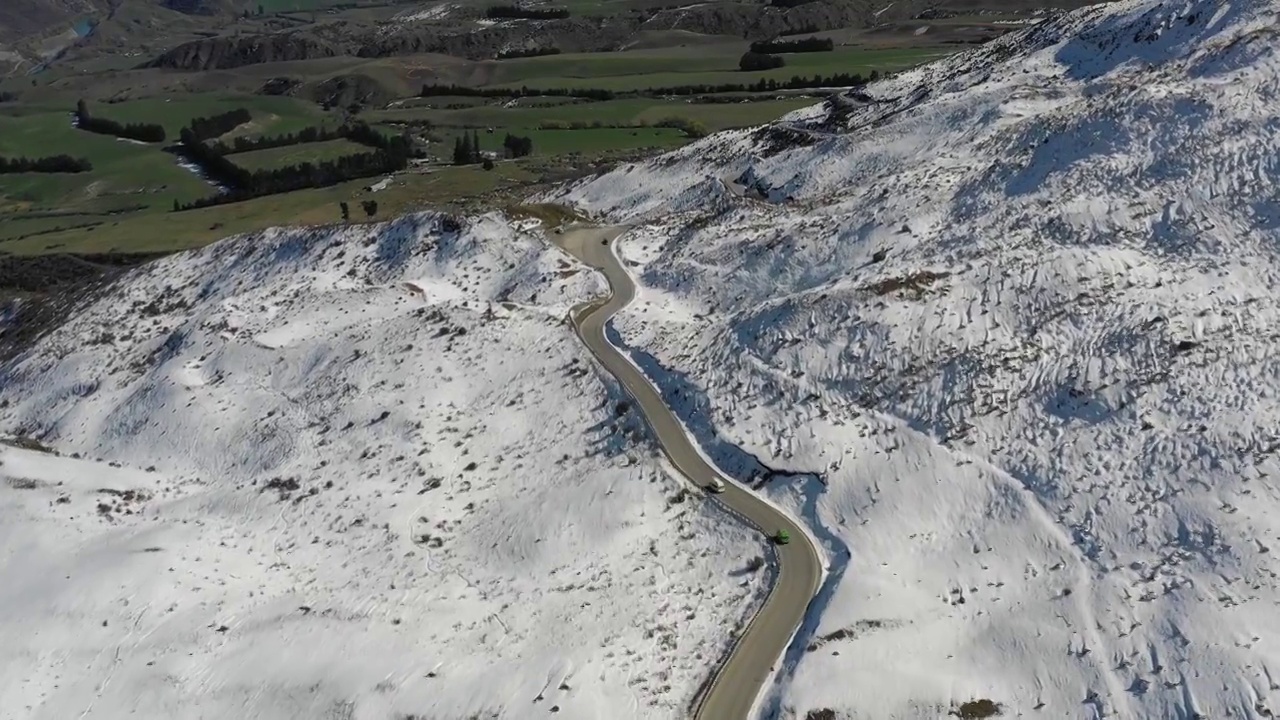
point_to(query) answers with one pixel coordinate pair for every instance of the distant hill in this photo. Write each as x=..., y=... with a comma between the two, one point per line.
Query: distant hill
x=31, y=19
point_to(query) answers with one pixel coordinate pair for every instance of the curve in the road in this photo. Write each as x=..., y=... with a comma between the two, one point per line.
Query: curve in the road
x=735, y=685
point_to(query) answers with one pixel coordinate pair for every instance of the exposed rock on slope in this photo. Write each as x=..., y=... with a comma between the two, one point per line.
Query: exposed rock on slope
x=343, y=90
x=1021, y=307
x=230, y=52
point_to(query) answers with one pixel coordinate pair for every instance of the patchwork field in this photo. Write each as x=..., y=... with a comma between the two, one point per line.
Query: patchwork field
x=125, y=175
x=126, y=202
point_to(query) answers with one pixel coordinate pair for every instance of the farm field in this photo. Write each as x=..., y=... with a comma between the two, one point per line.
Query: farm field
x=125, y=175
x=148, y=232
x=645, y=69
x=125, y=203
x=271, y=115
x=296, y=154
x=628, y=111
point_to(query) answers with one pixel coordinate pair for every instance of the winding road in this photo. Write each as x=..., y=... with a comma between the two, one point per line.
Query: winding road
x=736, y=683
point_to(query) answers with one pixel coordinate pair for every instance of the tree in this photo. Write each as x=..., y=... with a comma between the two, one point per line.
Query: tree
x=346, y=211
x=691, y=128
x=462, y=153
x=370, y=207
x=752, y=61
x=812, y=44
x=475, y=146
x=488, y=163
x=176, y=205
x=517, y=146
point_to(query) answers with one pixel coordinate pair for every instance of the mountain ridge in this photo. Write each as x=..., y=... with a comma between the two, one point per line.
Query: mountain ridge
x=1018, y=306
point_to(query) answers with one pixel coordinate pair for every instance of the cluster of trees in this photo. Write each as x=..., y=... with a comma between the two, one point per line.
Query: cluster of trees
x=797, y=82
x=361, y=134
x=370, y=208
x=8, y=96
x=54, y=164
x=356, y=132
x=142, y=132
x=802, y=30
x=208, y=128
x=810, y=44
x=305, y=135
x=515, y=12
x=752, y=61
x=531, y=52
x=517, y=146
x=464, y=91
x=245, y=185
x=691, y=128
x=789, y=3
x=389, y=154
x=466, y=149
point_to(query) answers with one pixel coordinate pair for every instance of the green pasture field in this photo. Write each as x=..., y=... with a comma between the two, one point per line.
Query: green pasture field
x=611, y=72
x=169, y=231
x=270, y=115
x=125, y=175
x=296, y=154
x=627, y=111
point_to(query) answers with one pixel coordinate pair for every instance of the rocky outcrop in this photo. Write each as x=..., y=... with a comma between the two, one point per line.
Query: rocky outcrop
x=230, y=52
x=344, y=90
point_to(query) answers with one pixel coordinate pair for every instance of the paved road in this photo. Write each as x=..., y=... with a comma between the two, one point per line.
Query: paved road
x=737, y=682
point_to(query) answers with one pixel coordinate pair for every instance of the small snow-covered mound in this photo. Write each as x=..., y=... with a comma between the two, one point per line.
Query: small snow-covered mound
x=348, y=473
x=1019, y=308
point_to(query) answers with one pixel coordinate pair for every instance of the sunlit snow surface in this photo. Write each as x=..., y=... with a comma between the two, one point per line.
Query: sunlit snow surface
x=1019, y=309
x=365, y=473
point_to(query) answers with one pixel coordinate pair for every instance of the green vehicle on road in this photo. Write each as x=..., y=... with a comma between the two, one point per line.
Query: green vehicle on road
x=782, y=537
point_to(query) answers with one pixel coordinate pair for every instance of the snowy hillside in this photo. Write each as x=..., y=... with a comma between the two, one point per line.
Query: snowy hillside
x=348, y=474
x=1019, y=310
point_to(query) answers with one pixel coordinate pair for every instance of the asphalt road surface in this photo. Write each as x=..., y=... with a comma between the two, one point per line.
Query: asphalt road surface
x=736, y=683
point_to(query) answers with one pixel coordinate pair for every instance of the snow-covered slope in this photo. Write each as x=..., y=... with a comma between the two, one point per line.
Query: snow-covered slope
x=1018, y=309
x=363, y=473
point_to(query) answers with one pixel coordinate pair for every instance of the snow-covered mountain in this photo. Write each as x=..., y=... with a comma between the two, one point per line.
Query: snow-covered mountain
x=1019, y=310
x=1008, y=319
x=360, y=473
